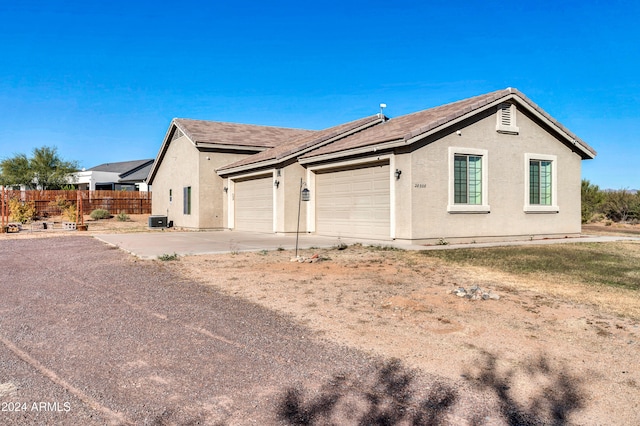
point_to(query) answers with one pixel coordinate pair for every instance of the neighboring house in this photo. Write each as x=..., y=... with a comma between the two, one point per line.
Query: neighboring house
x=124, y=175
x=492, y=167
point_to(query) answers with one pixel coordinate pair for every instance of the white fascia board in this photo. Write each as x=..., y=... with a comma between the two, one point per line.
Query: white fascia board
x=368, y=149
x=247, y=167
x=210, y=145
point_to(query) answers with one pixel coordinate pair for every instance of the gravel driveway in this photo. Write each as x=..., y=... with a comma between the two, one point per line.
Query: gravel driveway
x=88, y=335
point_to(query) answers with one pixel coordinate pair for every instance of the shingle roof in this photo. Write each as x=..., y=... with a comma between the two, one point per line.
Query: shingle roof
x=120, y=167
x=406, y=127
x=138, y=175
x=203, y=133
x=216, y=132
x=296, y=145
x=279, y=143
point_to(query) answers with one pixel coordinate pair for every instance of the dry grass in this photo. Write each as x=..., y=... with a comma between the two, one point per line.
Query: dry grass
x=606, y=275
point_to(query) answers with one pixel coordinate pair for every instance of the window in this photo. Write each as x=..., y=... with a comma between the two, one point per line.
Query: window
x=468, y=180
x=540, y=183
x=170, y=195
x=187, y=200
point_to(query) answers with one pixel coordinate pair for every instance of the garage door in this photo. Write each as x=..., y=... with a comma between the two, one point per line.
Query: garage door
x=254, y=204
x=354, y=202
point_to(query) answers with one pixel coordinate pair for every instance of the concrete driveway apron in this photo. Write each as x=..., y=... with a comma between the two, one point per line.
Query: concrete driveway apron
x=157, y=243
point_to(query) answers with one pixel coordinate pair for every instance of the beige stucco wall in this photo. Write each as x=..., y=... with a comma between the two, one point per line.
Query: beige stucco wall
x=429, y=186
x=184, y=165
x=179, y=169
x=212, y=198
x=288, y=199
x=402, y=205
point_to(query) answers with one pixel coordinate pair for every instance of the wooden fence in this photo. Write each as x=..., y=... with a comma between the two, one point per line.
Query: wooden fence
x=130, y=202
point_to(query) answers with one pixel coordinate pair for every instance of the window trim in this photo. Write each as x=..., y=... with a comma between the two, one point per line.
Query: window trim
x=540, y=208
x=484, y=206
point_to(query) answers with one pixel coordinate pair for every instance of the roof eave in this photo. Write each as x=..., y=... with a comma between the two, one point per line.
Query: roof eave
x=247, y=167
x=135, y=169
x=211, y=145
x=367, y=149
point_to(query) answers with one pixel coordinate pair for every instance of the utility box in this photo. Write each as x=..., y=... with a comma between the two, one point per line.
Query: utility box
x=157, y=221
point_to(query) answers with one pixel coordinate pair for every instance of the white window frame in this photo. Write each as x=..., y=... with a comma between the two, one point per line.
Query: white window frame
x=484, y=206
x=539, y=208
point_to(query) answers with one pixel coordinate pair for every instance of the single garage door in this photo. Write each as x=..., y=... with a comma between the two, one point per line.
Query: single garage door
x=254, y=204
x=354, y=202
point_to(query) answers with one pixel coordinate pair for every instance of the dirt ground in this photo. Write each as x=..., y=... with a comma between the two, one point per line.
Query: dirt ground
x=608, y=228
x=399, y=305
x=546, y=342
x=136, y=223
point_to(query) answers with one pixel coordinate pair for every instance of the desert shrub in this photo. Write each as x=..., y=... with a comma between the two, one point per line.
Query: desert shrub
x=67, y=208
x=621, y=206
x=60, y=203
x=22, y=211
x=123, y=217
x=100, y=214
x=168, y=257
x=592, y=200
x=70, y=212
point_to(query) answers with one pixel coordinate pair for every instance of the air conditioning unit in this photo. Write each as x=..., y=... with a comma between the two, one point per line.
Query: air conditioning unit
x=157, y=221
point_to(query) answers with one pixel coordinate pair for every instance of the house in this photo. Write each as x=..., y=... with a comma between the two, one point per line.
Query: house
x=124, y=175
x=189, y=191
x=491, y=167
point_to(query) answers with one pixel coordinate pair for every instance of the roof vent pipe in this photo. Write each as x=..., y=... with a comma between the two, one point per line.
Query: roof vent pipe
x=380, y=114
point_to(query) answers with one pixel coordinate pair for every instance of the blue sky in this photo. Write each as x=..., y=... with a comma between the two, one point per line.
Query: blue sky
x=101, y=80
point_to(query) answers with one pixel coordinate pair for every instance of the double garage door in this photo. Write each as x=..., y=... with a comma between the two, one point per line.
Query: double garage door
x=354, y=202
x=254, y=204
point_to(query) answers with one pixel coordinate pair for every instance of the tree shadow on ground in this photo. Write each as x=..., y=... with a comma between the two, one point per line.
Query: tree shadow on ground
x=557, y=394
x=387, y=400
x=393, y=395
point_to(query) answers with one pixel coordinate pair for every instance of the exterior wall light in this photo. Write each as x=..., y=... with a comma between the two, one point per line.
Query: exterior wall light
x=226, y=189
x=306, y=195
x=398, y=173
x=276, y=183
